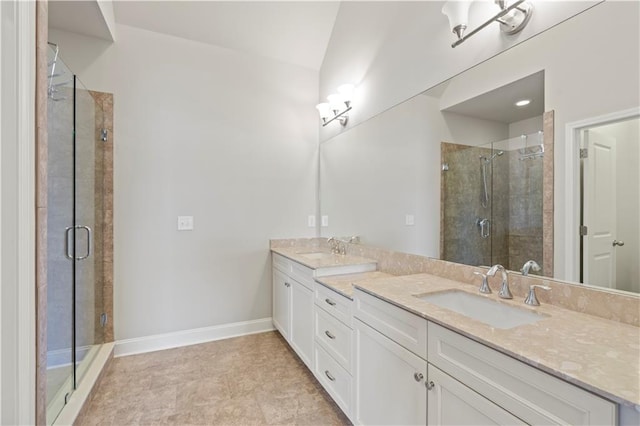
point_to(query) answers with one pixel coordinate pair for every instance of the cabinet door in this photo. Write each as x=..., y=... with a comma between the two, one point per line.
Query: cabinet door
x=302, y=333
x=389, y=381
x=452, y=403
x=281, y=303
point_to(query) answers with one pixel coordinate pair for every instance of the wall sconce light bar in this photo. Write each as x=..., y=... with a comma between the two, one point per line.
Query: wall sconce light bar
x=343, y=117
x=518, y=17
x=338, y=106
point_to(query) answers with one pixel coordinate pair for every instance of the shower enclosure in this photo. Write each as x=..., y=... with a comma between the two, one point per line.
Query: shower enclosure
x=492, y=202
x=75, y=220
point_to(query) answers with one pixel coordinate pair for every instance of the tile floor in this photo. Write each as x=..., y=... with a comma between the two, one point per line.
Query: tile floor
x=249, y=380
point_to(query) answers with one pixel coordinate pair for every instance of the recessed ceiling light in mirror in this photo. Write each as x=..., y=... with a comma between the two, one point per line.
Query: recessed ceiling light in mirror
x=523, y=103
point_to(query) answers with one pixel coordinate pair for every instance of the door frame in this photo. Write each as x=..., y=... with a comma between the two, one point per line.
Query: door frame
x=573, y=140
x=18, y=212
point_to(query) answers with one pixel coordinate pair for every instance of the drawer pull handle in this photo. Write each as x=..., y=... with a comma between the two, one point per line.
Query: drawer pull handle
x=329, y=334
x=418, y=376
x=430, y=385
x=331, y=302
x=326, y=372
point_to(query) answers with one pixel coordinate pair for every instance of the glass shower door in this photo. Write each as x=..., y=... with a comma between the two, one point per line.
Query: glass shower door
x=75, y=218
x=88, y=229
x=60, y=228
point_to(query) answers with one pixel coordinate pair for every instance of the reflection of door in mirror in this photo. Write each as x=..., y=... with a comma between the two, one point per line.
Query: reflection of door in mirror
x=610, y=182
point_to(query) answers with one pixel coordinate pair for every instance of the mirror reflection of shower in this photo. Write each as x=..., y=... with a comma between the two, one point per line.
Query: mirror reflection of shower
x=493, y=215
x=484, y=163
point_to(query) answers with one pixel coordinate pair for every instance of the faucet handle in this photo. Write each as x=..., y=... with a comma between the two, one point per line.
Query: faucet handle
x=531, y=298
x=484, y=287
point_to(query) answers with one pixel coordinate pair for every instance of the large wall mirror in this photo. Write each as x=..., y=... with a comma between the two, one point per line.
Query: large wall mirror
x=462, y=173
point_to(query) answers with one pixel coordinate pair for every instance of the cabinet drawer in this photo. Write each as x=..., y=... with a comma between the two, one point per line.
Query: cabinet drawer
x=302, y=274
x=334, y=336
x=334, y=303
x=402, y=327
x=299, y=272
x=528, y=393
x=335, y=379
x=281, y=263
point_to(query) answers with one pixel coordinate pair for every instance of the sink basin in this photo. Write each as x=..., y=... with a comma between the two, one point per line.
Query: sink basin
x=317, y=256
x=490, y=312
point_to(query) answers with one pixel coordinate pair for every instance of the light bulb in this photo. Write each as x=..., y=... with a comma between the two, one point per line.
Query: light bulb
x=324, y=110
x=336, y=103
x=346, y=91
x=458, y=14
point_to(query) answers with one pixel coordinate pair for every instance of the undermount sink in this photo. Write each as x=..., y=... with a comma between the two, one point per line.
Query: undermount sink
x=490, y=312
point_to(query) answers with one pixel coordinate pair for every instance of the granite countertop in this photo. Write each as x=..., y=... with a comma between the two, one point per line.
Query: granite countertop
x=343, y=284
x=596, y=354
x=328, y=260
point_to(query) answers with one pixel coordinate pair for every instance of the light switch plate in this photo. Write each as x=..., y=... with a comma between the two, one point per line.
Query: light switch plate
x=311, y=221
x=325, y=221
x=409, y=220
x=185, y=223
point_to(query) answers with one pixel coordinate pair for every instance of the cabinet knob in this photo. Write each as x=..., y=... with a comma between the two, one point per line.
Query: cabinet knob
x=430, y=385
x=287, y=284
x=329, y=334
x=418, y=376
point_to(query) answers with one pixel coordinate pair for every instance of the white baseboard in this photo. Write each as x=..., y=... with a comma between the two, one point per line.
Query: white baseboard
x=191, y=337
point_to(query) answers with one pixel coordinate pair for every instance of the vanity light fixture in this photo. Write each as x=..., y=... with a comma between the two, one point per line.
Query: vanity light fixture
x=338, y=106
x=523, y=103
x=512, y=17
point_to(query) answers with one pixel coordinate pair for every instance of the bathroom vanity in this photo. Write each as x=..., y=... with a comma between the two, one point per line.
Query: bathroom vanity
x=388, y=353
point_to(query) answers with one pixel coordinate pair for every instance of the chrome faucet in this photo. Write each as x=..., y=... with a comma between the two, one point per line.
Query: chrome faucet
x=531, y=298
x=530, y=264
x=504, y=292
x=337, y=246
x=484, y=287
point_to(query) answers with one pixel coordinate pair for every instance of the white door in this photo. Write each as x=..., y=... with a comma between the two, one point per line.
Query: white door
x=390, y=381
x=452, y=403
x=281, y=302
x=599, y=214
x=302, y=332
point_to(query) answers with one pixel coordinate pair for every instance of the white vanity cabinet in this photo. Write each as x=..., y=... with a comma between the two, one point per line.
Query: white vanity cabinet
x=390, y=367
x=293, y=305
x=408, y=370
x=450, y=402
x=526, y=392
x=333, y=345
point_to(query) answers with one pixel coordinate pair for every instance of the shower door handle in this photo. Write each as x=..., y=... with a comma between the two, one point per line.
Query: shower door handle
x=89, y=235
x=66, y=242
x=67, y=245
x=485, y=227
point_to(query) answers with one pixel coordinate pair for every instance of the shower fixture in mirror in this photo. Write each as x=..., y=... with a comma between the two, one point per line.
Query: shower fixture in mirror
x=492, y=203
x=458, y=147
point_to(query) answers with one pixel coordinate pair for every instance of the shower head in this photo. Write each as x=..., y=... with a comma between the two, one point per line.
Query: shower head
x=490, y=159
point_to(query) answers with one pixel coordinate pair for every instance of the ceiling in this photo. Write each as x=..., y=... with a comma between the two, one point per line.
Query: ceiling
x=499, y=104
x=295, y=32
x=80, y=17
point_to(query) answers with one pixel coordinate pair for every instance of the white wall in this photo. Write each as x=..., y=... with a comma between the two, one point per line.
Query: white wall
x=199, y=130
x=394, y=50
x=525, y=127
